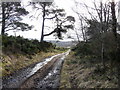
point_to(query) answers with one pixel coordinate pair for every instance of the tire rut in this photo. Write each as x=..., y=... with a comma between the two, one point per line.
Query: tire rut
x=31, y=82
x=43, y=75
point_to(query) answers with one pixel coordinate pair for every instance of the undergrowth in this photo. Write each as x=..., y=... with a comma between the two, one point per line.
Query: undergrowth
x=18, y=53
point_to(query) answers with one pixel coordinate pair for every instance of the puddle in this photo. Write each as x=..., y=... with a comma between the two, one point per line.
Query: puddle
x=17, y=79
x=41, y=64
x=52, y=80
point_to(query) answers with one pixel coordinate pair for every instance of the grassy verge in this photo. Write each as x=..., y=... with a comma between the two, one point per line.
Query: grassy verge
x=13, y=62
x=83, y=72
x=18, y=52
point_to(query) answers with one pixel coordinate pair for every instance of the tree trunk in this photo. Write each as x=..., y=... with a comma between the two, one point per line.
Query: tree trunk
x=82, y=30
x=114, y=27
x=118, y=70
x=83, y=33
x=43, y=22
x=114, y=20
x=77, y=36
x=102, y=33
x=102, y=55
x=3, y=19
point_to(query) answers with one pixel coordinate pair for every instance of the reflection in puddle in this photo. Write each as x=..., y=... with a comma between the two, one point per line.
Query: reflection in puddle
x=41, y=64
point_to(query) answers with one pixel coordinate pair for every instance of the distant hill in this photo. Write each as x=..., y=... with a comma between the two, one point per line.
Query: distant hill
x=66, y=44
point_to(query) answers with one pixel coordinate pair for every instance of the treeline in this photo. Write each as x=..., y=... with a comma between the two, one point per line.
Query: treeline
x=46, y=10
x=92, y=50
x=24, y=46
x=101, y=40
x=100, y=32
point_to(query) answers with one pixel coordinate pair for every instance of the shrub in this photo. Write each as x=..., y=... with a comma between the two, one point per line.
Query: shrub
x=83, y=49
x=25, y=46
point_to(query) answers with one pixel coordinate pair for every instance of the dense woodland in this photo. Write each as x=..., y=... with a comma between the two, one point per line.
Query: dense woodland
x=101, y=40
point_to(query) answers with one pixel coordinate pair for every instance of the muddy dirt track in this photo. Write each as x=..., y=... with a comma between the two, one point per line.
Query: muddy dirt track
x=44, y=75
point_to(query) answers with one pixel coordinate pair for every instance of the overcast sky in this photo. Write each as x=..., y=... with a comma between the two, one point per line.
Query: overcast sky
x=36, y=32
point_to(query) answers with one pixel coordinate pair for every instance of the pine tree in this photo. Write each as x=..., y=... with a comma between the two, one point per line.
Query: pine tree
x=11, y=17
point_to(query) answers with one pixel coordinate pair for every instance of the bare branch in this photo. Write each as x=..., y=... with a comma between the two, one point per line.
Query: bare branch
x=50, y=33
x=51, y=17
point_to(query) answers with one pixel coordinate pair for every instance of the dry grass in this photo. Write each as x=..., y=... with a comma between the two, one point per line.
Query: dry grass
x=79, y=74
x=12, y=62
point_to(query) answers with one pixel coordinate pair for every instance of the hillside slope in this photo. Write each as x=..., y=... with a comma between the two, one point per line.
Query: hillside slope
x=18, y=53
x=84, y=69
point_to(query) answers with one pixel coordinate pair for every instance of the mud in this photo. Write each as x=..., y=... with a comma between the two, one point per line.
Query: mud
x=43, y=75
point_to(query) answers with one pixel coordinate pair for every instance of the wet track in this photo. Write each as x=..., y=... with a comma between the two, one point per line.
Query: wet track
x=43, y=75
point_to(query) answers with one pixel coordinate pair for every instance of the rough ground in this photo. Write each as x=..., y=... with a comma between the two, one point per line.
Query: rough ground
x=77, y=73
x=48, y=76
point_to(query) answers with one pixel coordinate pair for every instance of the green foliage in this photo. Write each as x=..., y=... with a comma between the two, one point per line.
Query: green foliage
x=12, y=13
x=103, y=42
x=61, y=48
x=22, y=26
x=71, y=18
x=83, y=49
x=25, y=46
